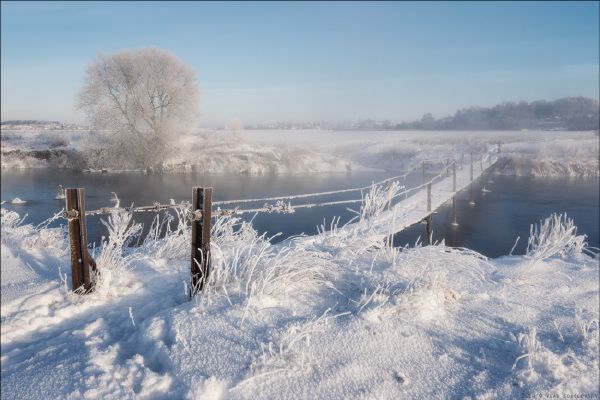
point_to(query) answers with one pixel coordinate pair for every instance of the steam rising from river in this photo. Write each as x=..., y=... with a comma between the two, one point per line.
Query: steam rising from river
x=538, y=153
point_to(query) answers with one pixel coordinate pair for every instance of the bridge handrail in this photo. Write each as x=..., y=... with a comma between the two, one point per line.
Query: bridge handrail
x=281, y=207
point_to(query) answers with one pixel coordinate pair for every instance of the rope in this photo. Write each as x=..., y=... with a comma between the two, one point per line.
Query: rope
x=291, y=209
x=269, y=208
x=153, y=208
x=301, y=196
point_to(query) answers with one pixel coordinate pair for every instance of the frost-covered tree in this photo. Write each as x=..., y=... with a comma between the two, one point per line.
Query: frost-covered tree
x=137, y=102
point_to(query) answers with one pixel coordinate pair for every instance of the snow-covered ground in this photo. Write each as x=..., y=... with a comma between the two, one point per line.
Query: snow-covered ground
x=539, y=153
x=333, y=316
x=338, y=315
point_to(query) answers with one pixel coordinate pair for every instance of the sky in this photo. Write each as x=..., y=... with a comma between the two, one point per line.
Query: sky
x=262, y=62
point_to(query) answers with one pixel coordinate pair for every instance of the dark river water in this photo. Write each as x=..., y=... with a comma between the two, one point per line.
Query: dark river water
x=490, y=227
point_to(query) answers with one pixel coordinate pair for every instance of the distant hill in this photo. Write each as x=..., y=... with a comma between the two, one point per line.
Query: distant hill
x=569, y=113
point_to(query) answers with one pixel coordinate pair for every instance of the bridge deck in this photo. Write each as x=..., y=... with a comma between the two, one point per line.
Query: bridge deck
x=413, y=209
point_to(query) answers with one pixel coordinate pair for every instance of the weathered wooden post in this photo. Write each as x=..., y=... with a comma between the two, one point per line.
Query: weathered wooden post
x=471, y=167
x=454, y=177
x=429, y=197
x=455, y=222
x=201, y=214
x=82, y=264
x=472, y=201
x=428, y=229
x=428, y=218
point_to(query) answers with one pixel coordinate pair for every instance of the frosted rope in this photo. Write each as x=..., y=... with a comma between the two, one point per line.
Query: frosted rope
x=311, y=205
x=300, y=196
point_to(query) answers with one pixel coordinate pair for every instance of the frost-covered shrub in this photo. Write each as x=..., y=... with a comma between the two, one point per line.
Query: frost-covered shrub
x=556, y=235
x=10, y=220
x=245, y=266
x=376, y=201
x=175, y=242
x=112, y=264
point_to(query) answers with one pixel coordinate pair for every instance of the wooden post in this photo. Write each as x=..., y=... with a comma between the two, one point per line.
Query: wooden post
x=82, y=264
x=454, y=177
x=472, y=201
x=454, y=223
x=201, y=214
x=429, y=197
x=429, y=231
x=499, y=143
x=471, y=167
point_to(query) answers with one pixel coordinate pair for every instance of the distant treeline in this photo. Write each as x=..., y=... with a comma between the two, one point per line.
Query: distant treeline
x=569, y=113
x=28, y=122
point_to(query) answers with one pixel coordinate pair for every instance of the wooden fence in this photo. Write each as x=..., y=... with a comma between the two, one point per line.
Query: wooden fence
x=83, y=266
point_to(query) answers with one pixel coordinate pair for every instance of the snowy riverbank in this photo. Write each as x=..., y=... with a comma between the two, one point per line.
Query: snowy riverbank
x=337, y=315
x=531, y=153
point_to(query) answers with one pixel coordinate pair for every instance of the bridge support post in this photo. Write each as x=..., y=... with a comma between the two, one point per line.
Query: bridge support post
x=429, y=197
x=201, y=215
x=454, y=222
x=454, y=177
x=471, y=167
x=428, y=229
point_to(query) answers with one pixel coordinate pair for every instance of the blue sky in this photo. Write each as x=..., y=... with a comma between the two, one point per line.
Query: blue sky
x=334, y=61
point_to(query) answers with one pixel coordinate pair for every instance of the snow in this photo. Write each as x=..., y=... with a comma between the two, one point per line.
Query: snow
x=333, y=316
x=336, y=315
x=538, y=153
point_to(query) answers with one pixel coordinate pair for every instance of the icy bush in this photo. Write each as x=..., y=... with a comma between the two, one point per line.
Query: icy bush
x=245, y=266
x=377, y=200
x=585, y=328
x=174, y=244
x=112, y=264
x=10, y=220
x=556, y=235
x=30, y=237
